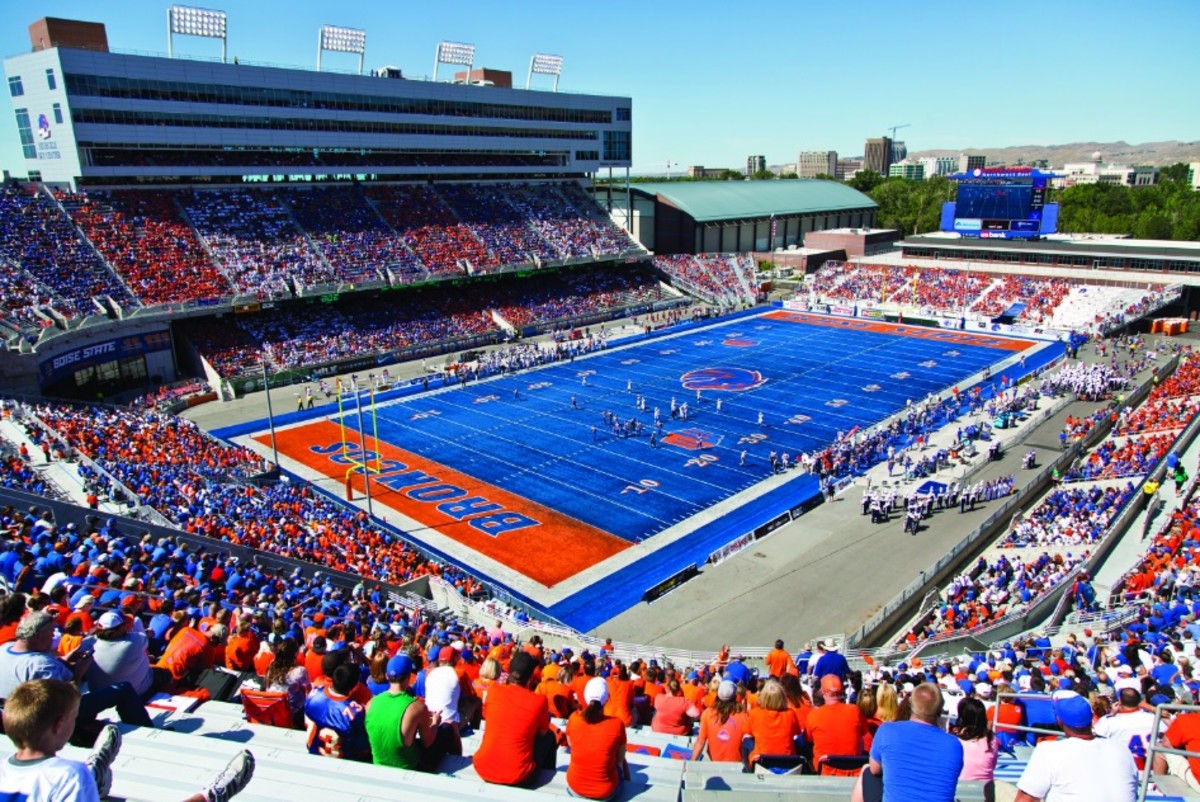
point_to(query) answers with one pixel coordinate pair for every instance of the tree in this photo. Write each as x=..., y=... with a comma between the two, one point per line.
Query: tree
x=866, y=180
x=762, y=175
x=788, y=175
x=1173, y=172
x=824, y=177
x=730, y=175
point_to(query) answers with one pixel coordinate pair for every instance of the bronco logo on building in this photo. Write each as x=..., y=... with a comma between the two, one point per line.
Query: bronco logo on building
x=724, y=379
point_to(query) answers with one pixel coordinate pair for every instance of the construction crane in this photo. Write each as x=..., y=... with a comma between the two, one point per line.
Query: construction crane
x=896, y=128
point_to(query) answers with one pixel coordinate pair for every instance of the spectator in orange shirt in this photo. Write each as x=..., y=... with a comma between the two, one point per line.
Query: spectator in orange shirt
x=313, y=657
x=722, y=728
x=83, y=609
x=597, y=744
x=556, y=687
x=620, y=694
x=242, y=648
x=772, y=724
x=779, y=662
x=797, y=698
x=188, y=654
x=835, y=728
x=673, y=713
x=517, y=740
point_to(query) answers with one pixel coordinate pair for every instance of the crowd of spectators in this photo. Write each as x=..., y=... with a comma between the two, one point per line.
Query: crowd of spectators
x=1040, y=296
x=991, y=590
x=314, y=335
x=944, y=289
x=1069, y=516
x=503, y=228
x=301, y=335
x=38, y=238
x=227, y=346
x=256, y=241
x=564, y=216
x=1136, y=456
x=431, y=229
x=274, y=243
x=718, y=278
x=142, y=236
x=577, y=293
x=352, y=237
x=167, y=395
x=1175, y=399
x=866, y=283
x=197, y=483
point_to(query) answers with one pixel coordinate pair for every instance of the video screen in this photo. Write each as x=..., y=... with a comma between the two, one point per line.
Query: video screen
x=1001, y=200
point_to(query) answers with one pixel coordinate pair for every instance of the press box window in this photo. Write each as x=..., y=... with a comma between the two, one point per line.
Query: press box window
x=25, y=132
x=14, y=86
x=587, y=155
x=51, y=83
x=58, y=115
x=623, y=114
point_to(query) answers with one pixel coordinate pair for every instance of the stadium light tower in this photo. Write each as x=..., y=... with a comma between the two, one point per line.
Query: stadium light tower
x=454, y=53
x=189, y=21
x=341, y=40
x=545, y=64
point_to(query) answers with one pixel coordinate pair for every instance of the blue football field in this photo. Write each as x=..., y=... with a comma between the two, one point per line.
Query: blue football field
x=808, y=382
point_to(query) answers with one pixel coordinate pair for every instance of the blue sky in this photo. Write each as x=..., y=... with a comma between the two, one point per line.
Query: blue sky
x=715, y=82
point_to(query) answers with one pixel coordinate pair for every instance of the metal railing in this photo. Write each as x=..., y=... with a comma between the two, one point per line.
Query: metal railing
x=1153, y=747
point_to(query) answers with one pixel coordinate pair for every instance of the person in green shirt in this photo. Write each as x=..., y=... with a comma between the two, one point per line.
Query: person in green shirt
x=399, y=725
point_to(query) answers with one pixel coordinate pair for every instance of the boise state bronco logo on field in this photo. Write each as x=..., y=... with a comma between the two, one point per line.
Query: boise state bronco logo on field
x=723, y=379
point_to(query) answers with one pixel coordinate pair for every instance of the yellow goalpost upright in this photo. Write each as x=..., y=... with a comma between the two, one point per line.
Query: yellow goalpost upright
x=359, y=463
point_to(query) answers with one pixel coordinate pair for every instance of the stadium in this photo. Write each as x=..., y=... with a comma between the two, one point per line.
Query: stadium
x=321, y=388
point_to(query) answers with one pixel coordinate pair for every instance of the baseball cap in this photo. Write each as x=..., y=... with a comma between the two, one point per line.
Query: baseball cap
x=832, y=684
x=1127, y=682
x=726, y=691
x=399, y=667
x=447, y=654
x=85, y=600
x=596, y=690
x=1074, y=711
x=110, y=620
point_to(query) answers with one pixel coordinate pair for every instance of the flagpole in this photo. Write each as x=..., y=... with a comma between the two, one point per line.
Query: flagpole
x=270, y=413
x=362, y=436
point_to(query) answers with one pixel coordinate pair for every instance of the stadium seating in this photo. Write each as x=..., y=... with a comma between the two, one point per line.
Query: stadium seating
x=38, y=239
x=431, y=229
x=144, y=238
x=300, y=336
x=257, y=243
x=502, y=228
x=723, y=279
x=350, y=234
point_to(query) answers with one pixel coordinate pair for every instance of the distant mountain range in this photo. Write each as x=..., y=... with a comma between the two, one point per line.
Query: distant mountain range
x=1156, y=154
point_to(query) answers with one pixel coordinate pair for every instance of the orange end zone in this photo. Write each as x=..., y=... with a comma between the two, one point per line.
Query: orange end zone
x=901, y=330
x=532, y=540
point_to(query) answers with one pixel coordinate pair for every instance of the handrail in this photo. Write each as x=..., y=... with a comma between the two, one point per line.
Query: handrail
x=1153, y=747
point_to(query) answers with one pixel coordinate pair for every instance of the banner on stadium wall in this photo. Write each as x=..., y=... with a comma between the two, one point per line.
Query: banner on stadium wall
x=950, y=322
x=844, y=311
x=670, y=583
x=874, y=314
x=773, y=524
x=796, y=305
x=730, y=549
x=66, y=363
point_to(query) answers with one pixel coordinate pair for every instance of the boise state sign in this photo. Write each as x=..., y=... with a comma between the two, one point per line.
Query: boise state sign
x=722, y=379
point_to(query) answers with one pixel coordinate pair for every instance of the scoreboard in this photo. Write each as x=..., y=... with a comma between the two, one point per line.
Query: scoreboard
x=1001, y=203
